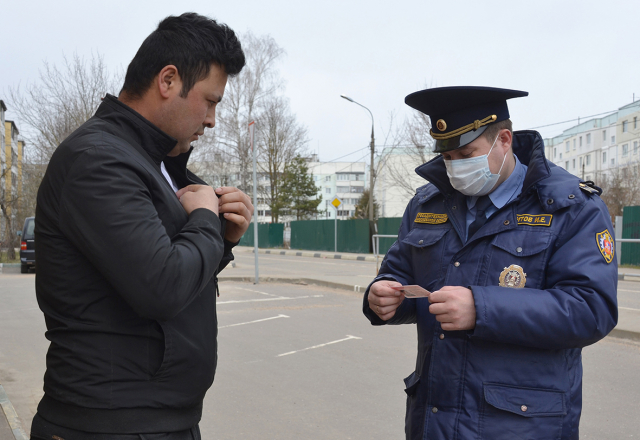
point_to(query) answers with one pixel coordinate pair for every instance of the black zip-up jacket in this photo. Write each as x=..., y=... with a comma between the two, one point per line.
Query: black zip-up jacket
x=126, y=280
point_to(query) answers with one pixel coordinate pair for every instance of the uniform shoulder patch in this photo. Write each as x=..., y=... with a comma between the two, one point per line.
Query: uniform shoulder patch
x=590, y=188
x=534, y=219
x=431, y=218
x=605, y=243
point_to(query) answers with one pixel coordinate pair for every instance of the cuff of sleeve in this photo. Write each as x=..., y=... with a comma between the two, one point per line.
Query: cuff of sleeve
x=206, y=215
x=481, y=311
x=371, y=316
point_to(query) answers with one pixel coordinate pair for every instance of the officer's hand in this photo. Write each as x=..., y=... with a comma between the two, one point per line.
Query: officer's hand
x=383, y=300
x=454, y=307
x=237, y=208
x=198, y=196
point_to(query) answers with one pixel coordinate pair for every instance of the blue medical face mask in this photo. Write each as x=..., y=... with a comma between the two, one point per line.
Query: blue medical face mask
x=472, y=176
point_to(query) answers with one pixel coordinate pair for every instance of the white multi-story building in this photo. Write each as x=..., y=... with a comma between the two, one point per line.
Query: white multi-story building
x=344, y=180
x=591, y=149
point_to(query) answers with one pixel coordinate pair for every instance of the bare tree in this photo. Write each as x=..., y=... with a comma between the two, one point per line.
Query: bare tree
x=281, y=139
x=620, y=188
x=245, y=98
x=62, y=100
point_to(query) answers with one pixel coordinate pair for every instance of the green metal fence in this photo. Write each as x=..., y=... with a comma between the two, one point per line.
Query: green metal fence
x=270, y=235
x=318, y=235
x=630, y=252
x=388, y=226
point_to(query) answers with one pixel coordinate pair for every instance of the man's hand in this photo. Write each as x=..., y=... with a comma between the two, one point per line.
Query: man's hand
x=383, y=300
x=198, y=196
x=454, y=308
x=237, y=209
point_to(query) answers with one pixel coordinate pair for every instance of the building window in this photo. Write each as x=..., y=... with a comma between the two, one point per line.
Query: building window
x=588, y=177
x=343, y=177
x=574, y=164
x=613, y=161
x=566, y=165
x=555, y=152
x=560, y=155
x=613, y=140
x=342, y=189
x=635, y=122
x=625, y=150
x=604, y=157
x=574, y=144
x=588, y=159
x=327, y=179
x=604, y=135
x=581, y=141
x=635, y=147
x=580, y=161
x=588, y=138
x=625, y=126
x=357, y=189
x=567, y=147
x=328, y=190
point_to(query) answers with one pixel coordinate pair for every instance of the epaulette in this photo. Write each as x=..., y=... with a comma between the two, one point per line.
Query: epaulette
x=590, y=187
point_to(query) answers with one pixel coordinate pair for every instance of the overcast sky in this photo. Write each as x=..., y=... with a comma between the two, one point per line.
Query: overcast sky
x=575, y=58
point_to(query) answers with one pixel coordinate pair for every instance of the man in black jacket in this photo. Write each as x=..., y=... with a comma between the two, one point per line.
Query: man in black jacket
x=130, y=243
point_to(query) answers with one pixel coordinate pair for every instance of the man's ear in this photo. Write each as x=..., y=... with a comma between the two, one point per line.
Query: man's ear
x=506, y=138
x=168, y=81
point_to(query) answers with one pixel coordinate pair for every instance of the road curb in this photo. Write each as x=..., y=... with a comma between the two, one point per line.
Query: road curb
x=300, y=281
x=11, y=416
x=312, y=254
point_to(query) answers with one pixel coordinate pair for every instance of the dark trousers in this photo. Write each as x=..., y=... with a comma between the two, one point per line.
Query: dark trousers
x=41, y=429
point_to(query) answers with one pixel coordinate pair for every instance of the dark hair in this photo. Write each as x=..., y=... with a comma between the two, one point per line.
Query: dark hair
x=191, y=42
x=493, y=129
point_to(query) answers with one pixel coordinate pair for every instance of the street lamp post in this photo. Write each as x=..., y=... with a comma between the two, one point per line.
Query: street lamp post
x=373, y=147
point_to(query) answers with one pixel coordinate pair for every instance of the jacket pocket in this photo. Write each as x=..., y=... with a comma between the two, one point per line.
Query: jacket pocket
x=411, y=383
x=522, y=248
x=510, y=412
x=167, y=355
x=426, y=246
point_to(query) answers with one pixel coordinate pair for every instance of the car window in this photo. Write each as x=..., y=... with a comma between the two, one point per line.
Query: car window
x=28, y=234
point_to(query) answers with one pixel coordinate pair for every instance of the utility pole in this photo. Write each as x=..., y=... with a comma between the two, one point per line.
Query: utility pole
x=373, y=149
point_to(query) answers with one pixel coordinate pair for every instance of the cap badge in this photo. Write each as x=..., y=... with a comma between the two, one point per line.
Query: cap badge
x=442, y=126
x=513, y=276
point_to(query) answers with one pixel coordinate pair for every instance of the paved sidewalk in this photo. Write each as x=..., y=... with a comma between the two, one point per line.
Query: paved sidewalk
x=10, y=427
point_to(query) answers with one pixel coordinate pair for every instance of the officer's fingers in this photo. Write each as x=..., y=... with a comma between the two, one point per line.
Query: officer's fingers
x=438, y=309
x=383, y=288
x=387, y=316
x=438, y=296
x=389, y=300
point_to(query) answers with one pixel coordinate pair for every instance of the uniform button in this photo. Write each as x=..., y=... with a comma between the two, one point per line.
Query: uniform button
x=571, y=196
x=524, y=408
x=518, y=249
x=456, y=264
x=421, y=241
x=549, y=201
x=506, y=222
x=434, y=410
x=441, y=335
x=454, y=207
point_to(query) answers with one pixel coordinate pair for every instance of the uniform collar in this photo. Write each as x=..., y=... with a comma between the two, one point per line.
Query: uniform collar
x=136, y=129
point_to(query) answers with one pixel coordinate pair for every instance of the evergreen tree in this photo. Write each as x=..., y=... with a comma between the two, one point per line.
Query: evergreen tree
x=362, y=208
x=299, y=191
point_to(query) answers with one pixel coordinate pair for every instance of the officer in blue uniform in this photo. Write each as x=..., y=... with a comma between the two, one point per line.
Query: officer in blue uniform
x=518, y=256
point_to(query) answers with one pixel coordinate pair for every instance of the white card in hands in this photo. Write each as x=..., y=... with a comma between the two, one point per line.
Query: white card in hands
x=413, y=291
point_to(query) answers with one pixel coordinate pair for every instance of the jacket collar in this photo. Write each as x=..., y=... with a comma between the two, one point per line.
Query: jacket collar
x=527, y=145
x=136, y=129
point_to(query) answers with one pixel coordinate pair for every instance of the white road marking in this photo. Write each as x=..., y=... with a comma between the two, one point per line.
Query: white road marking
x=628, y=308
x=257, y=291
x=321, y=345
x=253, y=322
x=279, y=298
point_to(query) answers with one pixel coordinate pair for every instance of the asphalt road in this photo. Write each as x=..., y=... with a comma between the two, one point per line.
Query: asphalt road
x=302, y=362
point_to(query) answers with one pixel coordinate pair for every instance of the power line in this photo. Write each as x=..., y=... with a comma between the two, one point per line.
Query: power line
x=572, y=120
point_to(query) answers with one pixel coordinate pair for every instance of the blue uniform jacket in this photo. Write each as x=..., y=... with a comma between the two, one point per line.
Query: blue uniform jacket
x=518, y=373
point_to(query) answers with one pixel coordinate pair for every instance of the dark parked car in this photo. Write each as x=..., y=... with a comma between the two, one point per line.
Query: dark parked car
x=27, y=247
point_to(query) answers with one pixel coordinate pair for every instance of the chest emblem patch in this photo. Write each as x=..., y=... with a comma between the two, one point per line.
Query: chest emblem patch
x=535, y=220
x=513, y=276
x=430, y=218
x=606, y=245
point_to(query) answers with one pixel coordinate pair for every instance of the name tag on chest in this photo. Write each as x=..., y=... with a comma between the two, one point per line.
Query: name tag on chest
x=535, y=220
x=431, y=218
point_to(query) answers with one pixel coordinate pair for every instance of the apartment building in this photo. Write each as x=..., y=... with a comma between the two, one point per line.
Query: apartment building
x=593, y=148
x=10, y=169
